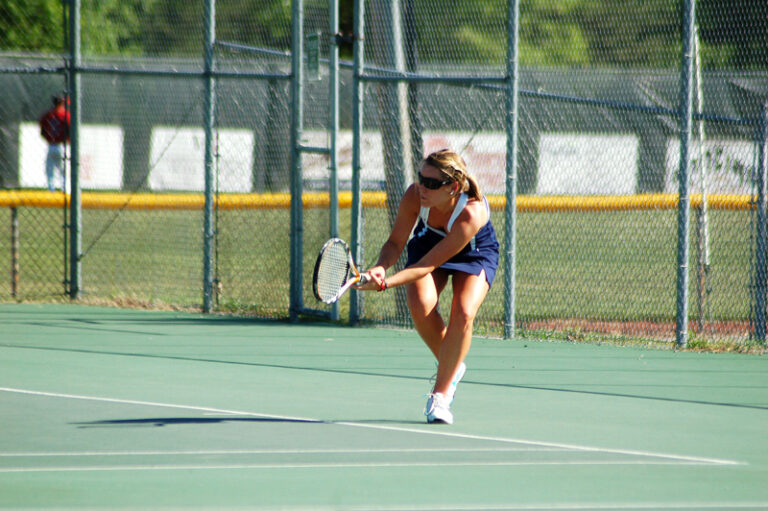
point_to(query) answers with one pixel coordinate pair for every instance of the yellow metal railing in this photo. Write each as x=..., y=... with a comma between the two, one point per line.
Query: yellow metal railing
x=195, y=201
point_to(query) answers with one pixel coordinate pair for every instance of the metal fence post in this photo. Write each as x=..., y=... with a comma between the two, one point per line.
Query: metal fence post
x=355, y=304
x=683, y=207
x=333, y=97
x=14, y=252
x=209, y=115
x=386, y=49
x=297, y=105
x=75, y=204
x=761, y=237
x=394, y=111
x=510, y=211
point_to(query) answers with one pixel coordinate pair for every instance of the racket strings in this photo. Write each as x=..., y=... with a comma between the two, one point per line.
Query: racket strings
x=332, y=271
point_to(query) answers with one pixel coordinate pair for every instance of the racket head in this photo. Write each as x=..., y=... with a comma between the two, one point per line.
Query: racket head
x=333, y=269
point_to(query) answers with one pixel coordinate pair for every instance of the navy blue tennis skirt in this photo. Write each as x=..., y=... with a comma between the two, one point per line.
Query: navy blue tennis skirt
x=481, y=254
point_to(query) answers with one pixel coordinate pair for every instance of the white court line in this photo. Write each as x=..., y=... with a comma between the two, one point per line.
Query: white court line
x=52, y=454
x=564, y=506
x=335, y=465
x=646, y=454
x=162, y=405
x=573, y=447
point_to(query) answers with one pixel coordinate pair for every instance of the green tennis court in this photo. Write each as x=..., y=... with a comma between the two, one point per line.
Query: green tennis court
x=122, y=409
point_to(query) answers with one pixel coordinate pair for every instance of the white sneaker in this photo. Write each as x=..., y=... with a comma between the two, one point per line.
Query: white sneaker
x=438, y=409
x=456, y=379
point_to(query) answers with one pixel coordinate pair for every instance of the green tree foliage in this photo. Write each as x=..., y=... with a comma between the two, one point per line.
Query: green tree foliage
x=471, y=31
x=176, y=26
x=618, y=33
x=734, y=33
x=114, y=26
x=107, y=26
x=550, y=35
x=628, y=33
x=31, y=25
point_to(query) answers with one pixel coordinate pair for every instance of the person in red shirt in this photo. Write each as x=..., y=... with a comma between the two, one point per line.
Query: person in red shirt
x=54, y=128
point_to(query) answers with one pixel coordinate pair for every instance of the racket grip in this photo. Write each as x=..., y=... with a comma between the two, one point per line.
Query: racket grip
x=364, y=279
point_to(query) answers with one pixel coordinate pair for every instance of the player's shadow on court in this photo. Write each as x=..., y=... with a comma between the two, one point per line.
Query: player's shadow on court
x=175, y=421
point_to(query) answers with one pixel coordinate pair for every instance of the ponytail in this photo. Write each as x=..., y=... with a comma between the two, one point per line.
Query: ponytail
x=473, y=188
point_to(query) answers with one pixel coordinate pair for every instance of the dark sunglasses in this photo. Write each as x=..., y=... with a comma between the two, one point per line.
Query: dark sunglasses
x=431, y=183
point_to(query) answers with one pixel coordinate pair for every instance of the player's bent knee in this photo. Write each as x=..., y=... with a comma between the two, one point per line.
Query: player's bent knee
x=462, y=318
x=421, y=310
x=418, y=305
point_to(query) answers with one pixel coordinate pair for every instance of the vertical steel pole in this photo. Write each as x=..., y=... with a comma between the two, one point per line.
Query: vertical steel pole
x=333, y=93
x=75, y=201
x=65, y=223
x=394, y=111
x=761, y=238
x=356, y=305
x=510, y=210
x=683, y=208
x=703, y=214
x=385, y=46
x=14, y=252
x=297, y=115
x=411, y=66
x=209, y=104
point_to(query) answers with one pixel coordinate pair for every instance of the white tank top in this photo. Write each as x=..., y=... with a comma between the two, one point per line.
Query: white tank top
x=460, y=205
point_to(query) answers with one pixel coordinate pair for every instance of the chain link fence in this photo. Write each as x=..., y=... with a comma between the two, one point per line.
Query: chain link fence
x=598, y=160
x=599, y=136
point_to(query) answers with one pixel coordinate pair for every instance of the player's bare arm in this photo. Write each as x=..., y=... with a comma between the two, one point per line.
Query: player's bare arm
x=407, y=214
x=464, y=229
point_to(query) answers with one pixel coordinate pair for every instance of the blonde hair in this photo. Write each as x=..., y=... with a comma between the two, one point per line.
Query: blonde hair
x=453, y=166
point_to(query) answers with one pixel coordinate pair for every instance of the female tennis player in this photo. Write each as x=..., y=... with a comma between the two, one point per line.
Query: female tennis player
x=453, y=238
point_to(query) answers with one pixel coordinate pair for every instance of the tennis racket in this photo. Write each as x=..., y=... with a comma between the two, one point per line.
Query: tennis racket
x=335, y=271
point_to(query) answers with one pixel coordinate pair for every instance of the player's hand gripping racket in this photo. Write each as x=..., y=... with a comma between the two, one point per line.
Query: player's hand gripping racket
x=335, y=271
